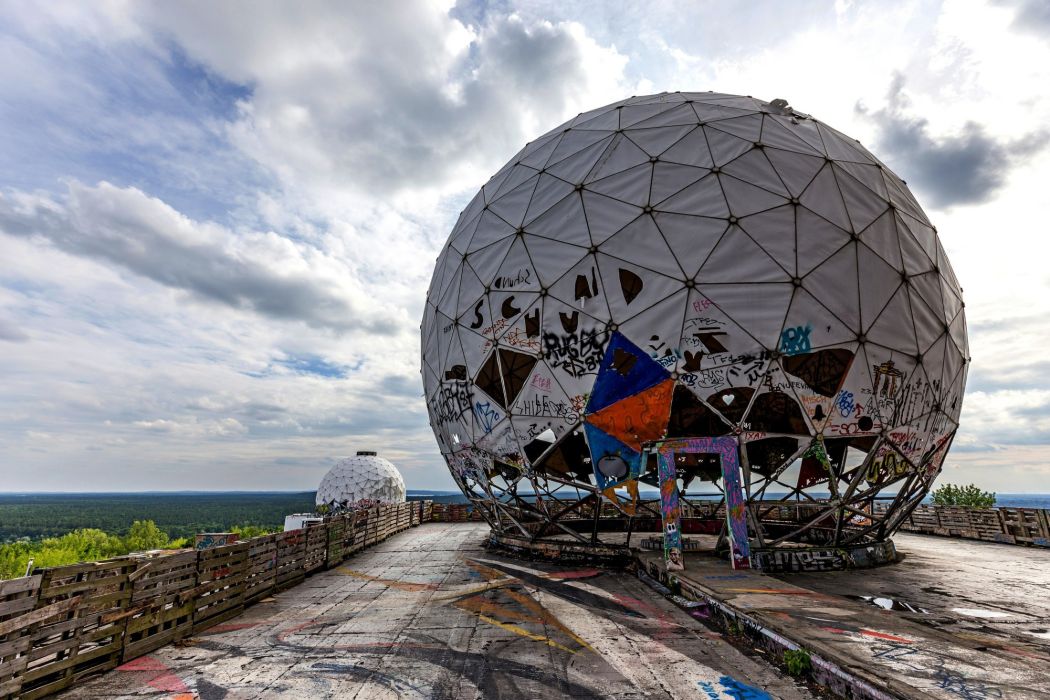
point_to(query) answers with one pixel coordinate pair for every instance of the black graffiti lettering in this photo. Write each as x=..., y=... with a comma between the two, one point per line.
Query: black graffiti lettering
x=544, y=406
x=521, y=277
x=623, y=361
x=453, y=400
x=575, y=353
x=532, y=324
x=631, y=285
x=508, y=309
x=711, y=342
x=586, y=288
x=478, y=318
x=692, y=361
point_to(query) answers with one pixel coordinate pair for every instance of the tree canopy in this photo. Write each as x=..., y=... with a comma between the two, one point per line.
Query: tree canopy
x=969, y=495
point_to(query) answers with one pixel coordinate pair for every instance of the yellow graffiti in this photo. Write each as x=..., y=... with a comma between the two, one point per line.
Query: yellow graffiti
x=524, y=633
x=629, y=507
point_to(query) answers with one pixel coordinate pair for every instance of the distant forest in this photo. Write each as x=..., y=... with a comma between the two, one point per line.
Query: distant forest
x=39, y=515
x=36, y=516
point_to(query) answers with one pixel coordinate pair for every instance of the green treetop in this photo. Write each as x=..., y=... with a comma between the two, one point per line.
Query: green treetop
x=969, y=495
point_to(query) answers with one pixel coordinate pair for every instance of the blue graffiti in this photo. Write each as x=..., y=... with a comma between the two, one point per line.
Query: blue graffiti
x=965, y=688
x=845, y=403
x=487, y=415
x=731, y=687
x=795, y=340
x=741, y=691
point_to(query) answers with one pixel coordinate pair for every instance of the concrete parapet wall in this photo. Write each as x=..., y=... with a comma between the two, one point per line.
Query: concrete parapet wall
x=1025, y=526
x=64, y=623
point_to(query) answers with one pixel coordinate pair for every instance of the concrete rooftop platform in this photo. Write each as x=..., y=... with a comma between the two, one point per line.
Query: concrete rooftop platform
x=431, y=613
x=954, y=619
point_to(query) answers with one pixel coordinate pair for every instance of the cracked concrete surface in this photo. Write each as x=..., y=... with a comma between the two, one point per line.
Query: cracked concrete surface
x=431, y=613
x=954, y=619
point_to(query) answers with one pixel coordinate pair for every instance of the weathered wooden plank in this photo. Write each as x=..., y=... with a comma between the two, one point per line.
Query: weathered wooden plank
x=17, y=606
x=261, y=570
x=94, y=567
x=38, y=616
x=24, y=584
x=18, y=598
x=16, y=645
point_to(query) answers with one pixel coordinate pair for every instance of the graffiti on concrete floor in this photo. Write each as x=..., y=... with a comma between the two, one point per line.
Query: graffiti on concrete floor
x=966, y=688
x=733, y=688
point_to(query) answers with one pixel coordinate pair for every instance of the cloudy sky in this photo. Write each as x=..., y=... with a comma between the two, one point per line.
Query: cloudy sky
x=218, y=221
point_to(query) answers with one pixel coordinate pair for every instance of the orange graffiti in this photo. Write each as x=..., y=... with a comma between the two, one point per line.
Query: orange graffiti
x=639, y=418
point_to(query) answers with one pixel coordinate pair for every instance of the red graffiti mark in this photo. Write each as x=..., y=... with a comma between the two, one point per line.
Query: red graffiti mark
x=231, y=627
x=581, y=573
x=887, y=637
x=667, y=625
x=143, y=663
x=160, y=677
x=870, y=633
x=774, y=591
x=1022, y=652
x=283, y=635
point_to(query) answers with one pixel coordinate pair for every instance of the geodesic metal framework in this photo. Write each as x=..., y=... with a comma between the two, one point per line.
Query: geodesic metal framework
x=694, y=265
x=363, y=479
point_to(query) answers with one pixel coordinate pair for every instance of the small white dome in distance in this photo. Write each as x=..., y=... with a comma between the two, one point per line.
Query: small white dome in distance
x=365, y=477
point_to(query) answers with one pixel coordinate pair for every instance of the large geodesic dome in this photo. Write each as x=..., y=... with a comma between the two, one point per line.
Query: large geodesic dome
x=365, y=477
x=694, y=265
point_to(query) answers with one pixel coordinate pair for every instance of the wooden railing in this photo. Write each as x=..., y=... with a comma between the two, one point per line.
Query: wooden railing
x=1029, y=526
x=1026, y=526
x=64, y=623
x=455, y=513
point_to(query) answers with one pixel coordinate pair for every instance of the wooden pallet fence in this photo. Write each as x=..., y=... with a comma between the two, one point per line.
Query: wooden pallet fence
x=261, y=578
x=375, y=526
x=451, y=512
x=387, y=520
x=336, y=537
x=922, y=519
x=219, y=595
x=18, y=599
x=291, y=554
x=352, y=534
x=161, y=606
x=1028, y=526
x=84, y=632
x=360, y=530
x=392, y=521
x=316, y=548
x=62, y=624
